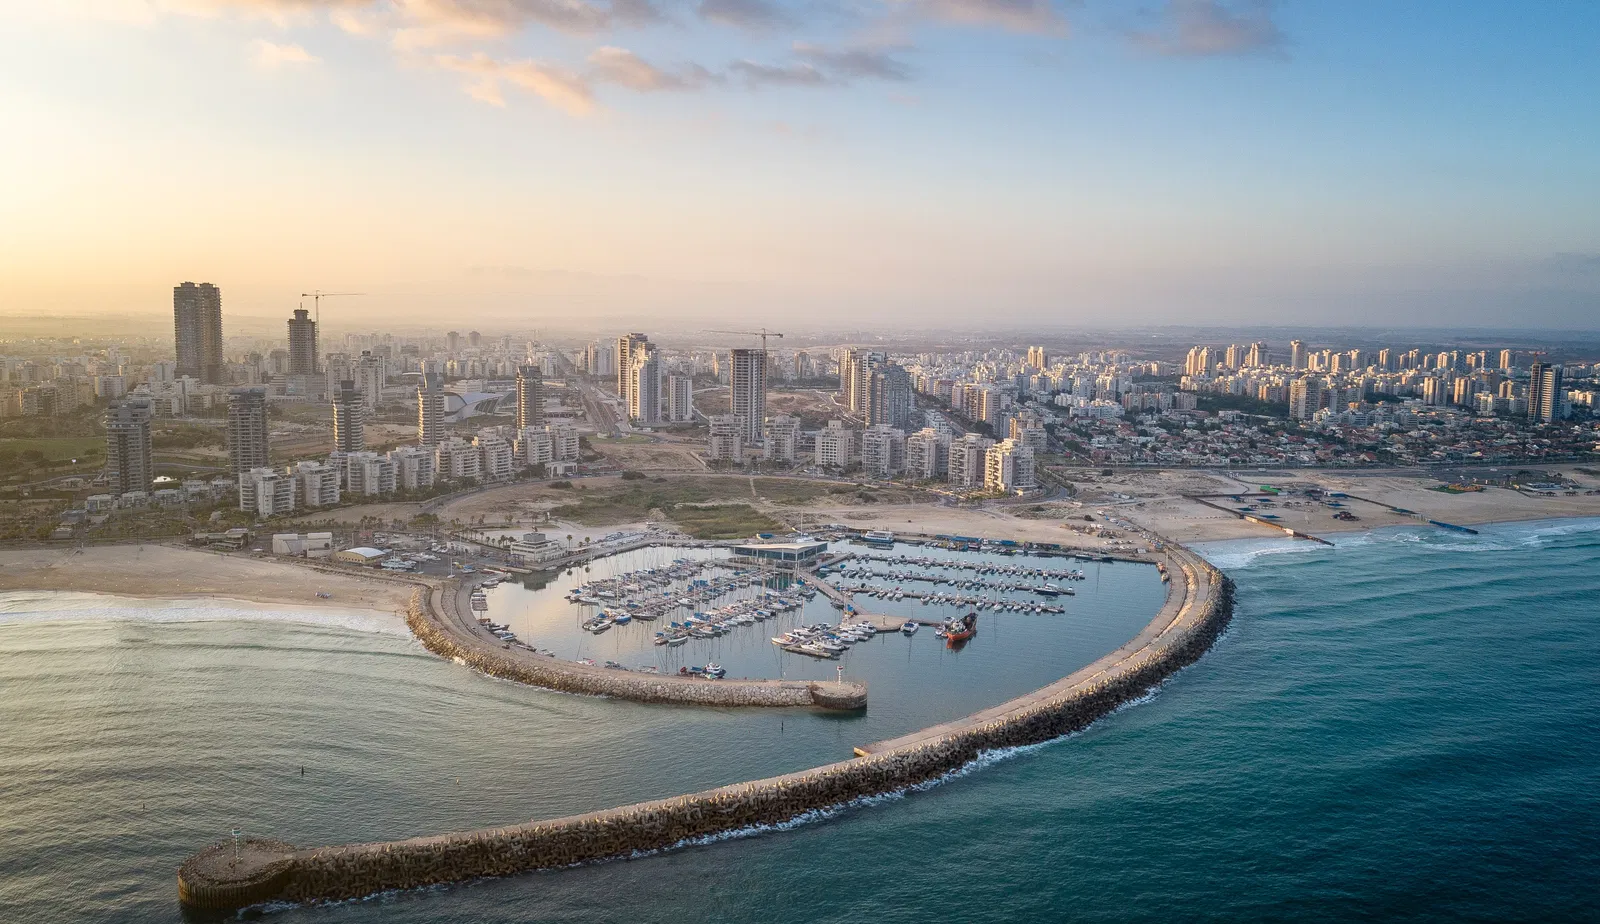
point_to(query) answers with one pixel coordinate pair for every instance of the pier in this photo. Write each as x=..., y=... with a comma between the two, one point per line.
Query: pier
x=1196, y=610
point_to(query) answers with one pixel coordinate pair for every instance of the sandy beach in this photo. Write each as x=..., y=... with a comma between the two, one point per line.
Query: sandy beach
x=169, y=572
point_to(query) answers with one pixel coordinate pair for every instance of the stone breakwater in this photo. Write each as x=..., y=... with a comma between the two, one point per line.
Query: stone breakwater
x=441, y=638
x=1197, y=610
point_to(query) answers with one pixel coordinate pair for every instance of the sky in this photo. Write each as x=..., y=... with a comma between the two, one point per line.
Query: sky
x=837, y=162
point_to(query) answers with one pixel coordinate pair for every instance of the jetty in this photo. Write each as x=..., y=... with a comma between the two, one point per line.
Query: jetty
x=230, y=875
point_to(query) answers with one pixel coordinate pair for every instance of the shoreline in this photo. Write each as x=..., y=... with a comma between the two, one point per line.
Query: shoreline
x=230, y=609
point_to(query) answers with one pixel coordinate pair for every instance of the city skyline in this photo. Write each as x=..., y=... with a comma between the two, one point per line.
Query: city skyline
x=1245, y=162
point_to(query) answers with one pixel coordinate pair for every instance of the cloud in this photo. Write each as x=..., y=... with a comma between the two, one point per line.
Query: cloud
x=273, y=55
x=609, y=64
x=635, y=13
x=554, y=84
x=1033, y=16
x=1206, y=28
x=754, y=15
x=854, y=63
x=781, y=75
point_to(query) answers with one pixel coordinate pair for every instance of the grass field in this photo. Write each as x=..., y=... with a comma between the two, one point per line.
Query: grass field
x=723, y=521
x=56, y=448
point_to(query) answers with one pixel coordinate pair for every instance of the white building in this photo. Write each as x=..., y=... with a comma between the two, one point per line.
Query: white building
x=965, y=468
x=883, y=450
x=533, y=446
x=311, y=545
x=266, y=492
x=457, y=459
x=415, y=467
x=369, y=474
x=927, y=454
x=564, y=444
x=836, y=445
x=726, y=443
x=537, y=548
x=318, y=482
x=497, y=461
x=680, y=399
x=782, y=435
x=1008, y=468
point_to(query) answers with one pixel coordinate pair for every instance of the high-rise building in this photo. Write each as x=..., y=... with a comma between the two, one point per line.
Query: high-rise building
x=855, y=376
x=888, y=398
x=302, y=343
x=268, y=492
x=781, y=437
x=197, y=330
x=455, y=341
x=430, y=409
x=371, y=372
x=1258, y=357
x=927, y=454
x=349, y=418
x=627, y=346
x=474, y=339
x=600, y=359
x=128, y=464
x=1234, y=357
x=1305, y=397
x=1008, y=468
x=247, y=430
x=883, y=450
x=1037, y=358
x=1507, y=360
x=1546, y=394
x=835, y=445
x=1297, y=354
x=680, y=399
x=965, y=467
x=747, y=384
x=725, y=442
x=530, y=397
x=646, y=384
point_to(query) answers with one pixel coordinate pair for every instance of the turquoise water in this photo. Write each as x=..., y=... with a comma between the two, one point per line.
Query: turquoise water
x=1401, y=727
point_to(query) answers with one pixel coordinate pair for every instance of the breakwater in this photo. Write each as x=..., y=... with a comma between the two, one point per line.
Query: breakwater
x=1196, y=611
x=457, y=641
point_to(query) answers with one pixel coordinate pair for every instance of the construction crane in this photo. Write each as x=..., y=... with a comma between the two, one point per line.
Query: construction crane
x=317, y=298
x=763, y=333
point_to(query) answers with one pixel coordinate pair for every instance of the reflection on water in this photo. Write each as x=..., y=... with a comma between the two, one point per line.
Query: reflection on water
x=910, y=678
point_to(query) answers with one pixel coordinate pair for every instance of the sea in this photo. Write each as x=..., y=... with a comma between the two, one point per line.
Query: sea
x=1401, y=727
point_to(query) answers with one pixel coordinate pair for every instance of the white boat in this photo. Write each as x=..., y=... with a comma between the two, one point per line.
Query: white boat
x=909, y=628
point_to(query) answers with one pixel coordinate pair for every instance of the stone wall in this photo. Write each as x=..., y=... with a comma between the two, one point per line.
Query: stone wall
x=571, y=677
x=1176, y=638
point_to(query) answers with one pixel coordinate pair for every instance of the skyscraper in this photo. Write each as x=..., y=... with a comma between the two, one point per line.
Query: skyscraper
x=1545, y=392
x=302, y=344
x=349, y=418
x=430, y=409
x=247, y=430
x=747, y=381
x=888, y=399
x=128, y=465
x=197, y=331
x=855, y=376
x=646, y=385
x=1297, y=354
x=530, y=397
x=627, y=346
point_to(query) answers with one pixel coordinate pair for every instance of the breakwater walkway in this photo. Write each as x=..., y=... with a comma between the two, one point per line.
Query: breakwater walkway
x=229, y=876
x=442, y=620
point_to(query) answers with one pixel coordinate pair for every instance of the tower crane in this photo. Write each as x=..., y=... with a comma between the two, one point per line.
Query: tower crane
x=316, y=301
x=763, y=333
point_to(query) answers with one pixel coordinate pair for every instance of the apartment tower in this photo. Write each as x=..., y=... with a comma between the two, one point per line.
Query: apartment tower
x=197, y=331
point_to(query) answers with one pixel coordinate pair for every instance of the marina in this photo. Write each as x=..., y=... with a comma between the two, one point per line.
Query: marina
x=672, y=610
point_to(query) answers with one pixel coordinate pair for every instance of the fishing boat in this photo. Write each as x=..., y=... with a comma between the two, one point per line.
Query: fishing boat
x=957, y=631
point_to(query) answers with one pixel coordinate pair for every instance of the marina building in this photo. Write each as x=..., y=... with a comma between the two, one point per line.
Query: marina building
x=798, y=554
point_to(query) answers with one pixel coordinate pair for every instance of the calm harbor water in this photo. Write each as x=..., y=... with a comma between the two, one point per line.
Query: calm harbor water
x=1401, y=727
